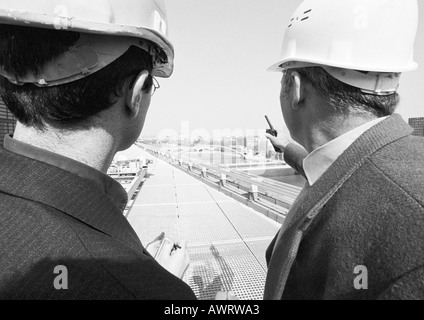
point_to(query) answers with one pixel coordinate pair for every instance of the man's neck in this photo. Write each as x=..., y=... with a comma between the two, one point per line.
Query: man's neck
x=94, y=147
x=318, y=134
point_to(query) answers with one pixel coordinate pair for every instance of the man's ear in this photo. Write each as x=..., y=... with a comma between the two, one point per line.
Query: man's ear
x=298, y=90
x=135, y=94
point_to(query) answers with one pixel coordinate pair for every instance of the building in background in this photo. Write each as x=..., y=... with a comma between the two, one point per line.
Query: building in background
x=418, y=125
x=7, y=121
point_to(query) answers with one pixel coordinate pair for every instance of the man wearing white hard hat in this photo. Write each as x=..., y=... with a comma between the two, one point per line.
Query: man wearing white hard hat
x=356, y=230
x=78, y=76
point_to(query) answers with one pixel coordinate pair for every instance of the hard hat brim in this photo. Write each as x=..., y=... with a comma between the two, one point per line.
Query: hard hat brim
x=378, y=83
x=15, y=17
x=279, y=66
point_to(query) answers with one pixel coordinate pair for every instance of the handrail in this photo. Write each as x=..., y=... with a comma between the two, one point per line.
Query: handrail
x=279, y=191
x=136, y=183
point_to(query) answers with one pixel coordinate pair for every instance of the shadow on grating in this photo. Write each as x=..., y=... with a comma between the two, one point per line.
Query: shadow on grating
x=226, y=267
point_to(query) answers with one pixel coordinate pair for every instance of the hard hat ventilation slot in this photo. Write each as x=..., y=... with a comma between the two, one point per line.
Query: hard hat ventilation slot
x=307, y=17
x=301, y=19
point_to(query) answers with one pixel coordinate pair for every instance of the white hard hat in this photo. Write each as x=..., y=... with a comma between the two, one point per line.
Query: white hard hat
x=108, y=28
x=373, y=36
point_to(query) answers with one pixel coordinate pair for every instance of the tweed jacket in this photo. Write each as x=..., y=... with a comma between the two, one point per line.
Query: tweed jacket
x=358, y=232
x=50, y=219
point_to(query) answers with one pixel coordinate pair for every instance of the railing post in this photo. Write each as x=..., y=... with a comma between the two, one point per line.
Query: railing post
x=253, y=194
x=223, y=180
x=204, y=172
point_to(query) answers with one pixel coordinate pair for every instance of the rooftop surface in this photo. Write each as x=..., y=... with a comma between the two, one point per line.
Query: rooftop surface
x=226, y=239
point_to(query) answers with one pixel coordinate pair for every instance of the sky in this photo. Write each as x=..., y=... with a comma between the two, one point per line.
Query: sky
x=220, y=82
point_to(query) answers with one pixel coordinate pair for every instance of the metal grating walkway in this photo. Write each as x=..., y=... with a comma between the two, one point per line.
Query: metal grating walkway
x=226, y=240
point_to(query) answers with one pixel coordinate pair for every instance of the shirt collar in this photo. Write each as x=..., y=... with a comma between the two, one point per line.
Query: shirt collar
x=319, y=160
x=108, y=185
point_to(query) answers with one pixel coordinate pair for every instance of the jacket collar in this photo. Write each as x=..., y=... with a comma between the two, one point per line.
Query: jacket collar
x=76, y=196
x=110, y=186
x=385, y=132
x=319, y=160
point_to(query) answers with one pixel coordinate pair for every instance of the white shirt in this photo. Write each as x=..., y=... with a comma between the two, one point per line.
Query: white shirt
x=319, y=160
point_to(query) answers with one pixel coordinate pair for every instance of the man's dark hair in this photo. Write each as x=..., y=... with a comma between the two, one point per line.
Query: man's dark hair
x=71, y=105
x=343, y=97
